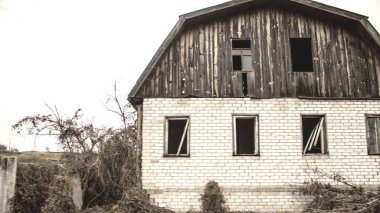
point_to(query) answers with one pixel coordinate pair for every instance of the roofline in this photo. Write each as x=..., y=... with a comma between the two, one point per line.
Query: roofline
x=227, y=7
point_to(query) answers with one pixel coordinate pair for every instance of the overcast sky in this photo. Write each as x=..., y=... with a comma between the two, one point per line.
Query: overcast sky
x=68, y=53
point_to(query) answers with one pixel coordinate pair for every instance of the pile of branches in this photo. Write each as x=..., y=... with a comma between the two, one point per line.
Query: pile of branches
x=341, y=197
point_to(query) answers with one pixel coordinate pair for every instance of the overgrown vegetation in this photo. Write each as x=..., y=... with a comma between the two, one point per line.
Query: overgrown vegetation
x=343, y=196
x=213, y=199
x=106, y=159
x=32, y=185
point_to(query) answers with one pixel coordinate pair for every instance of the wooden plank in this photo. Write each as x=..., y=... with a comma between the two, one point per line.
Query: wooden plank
x=288, y=73
x=276, y=54
x=237, y=85
x=202, y=62
x=196, y=57
x=176, y=69
x=183, y=136
x=253, y=79
x=343, y=63
x=207, y=62
x=228, y=59
x=170, y=75
x=216, y=78
x=259, y=47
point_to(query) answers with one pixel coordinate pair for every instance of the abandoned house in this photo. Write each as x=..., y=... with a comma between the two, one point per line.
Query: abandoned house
x=255, y=95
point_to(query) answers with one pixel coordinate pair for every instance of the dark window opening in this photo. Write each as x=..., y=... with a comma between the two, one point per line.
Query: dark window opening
x=302, y=59
x=241, y=44
x=236, y=62
x=245, y=84
x=313, y=133
x=245, y=136
x=177, y=136
x=373, y=135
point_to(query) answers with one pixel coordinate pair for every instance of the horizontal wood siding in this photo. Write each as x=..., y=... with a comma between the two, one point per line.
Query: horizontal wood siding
x=199, y=61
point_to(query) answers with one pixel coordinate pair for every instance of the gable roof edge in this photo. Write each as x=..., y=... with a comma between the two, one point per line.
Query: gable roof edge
x=177, y=27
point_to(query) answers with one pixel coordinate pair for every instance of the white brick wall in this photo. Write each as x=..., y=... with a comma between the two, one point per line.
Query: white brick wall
x=257, y=183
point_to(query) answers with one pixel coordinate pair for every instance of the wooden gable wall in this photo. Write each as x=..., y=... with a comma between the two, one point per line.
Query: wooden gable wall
x=199, y=62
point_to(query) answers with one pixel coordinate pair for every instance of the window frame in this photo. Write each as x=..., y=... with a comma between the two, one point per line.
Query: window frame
x=166, y=136
x=243, y=53
x=256, y=134
x=324, y=140
x=367, y=116
x=292, y=58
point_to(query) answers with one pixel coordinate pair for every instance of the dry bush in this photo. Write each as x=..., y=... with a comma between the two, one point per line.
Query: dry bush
x=103, y=174
x=213, y=199
x=338, y=198
x=32, y=184
x=60, y=196
x=136, y=200
x=107, y=160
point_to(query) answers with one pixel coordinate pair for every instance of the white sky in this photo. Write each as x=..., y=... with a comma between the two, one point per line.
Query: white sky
x=68, y=53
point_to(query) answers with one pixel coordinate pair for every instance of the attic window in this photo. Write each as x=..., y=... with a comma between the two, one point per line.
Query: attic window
x=373, y=134
x=241, y=55
x=177, y=136
x=313, y=133
x=302, y=59
x=241, y=44
x=246, y=135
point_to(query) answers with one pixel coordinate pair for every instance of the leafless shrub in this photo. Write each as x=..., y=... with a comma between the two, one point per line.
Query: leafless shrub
x=343, y=197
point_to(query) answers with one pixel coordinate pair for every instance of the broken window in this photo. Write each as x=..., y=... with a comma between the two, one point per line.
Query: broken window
x=302, y=59
x=177, y=136
x=242, y=60
x=313, y=133
x=373, y=134
x=246, y=135
x=241, y=55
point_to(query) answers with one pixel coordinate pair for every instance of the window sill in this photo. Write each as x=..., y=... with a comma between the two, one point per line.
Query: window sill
x=316, y=156
x=247, y=155
x=175, y=156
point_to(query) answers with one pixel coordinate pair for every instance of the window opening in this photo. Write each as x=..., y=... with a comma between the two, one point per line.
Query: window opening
x=302, y=60
x=313, y=132
x=241, y=55
x=241, y=44
x=373, y=134
x=242, y=61
x=245, y=135
x=245, y=84
x=236, y=62
x=177, y=136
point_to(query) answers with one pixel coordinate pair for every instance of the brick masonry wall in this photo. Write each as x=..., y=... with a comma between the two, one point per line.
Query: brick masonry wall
x=264, y=183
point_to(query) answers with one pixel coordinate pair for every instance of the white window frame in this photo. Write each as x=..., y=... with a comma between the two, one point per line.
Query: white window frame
x=187, y=130
x=319, y=130
x=377, y=134
x=256, y=134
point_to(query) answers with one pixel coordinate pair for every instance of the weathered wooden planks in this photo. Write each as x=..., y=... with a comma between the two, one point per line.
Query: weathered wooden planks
x=198, y=62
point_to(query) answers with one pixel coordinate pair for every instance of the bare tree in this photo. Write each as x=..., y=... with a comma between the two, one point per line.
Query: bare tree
x=123, y=109
x=72, y=133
